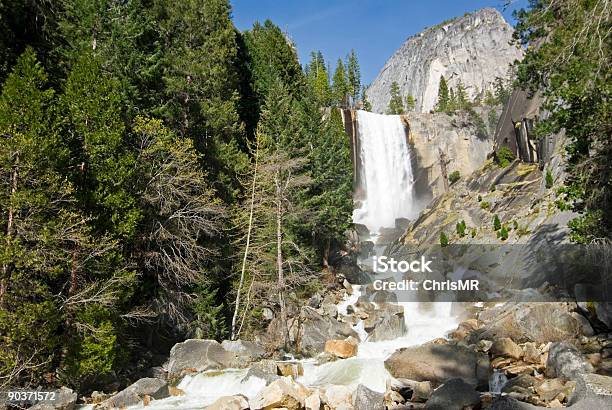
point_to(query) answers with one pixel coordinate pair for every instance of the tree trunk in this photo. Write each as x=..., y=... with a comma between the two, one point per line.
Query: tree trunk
x=279, y=261
x=9, y=231
x=235, y=334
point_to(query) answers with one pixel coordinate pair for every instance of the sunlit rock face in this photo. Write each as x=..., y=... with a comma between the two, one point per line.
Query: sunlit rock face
x=474, y=48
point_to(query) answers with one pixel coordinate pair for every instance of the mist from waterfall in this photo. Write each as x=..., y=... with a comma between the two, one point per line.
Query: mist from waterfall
x=385, y=172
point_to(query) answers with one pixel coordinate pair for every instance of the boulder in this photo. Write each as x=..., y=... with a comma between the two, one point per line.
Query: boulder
x=198, y=355
x=364, y=398
x=509, y=403
x=520, y=384
x=505, y=347
x=313, y=402
x=550, y=388
x=293, y=369
x=593, y=391
x=342, y=348
x=410, y=389
x=566, y=362
x=244, y=350
x=264, y=369
x=316, y=329
x=531, y=354
x=465, y=328
x=281, y=393
x=337, y=397
x=135, y=393
x=455, y=394
x=390, y=326
x=238, y=402
x=439, y=363
x=530, y=322
x=65, y=399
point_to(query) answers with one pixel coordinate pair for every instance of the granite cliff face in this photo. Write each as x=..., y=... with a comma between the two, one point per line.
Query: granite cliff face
x=474, y=49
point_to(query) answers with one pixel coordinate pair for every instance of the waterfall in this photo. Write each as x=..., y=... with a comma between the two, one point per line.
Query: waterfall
x=385, y=172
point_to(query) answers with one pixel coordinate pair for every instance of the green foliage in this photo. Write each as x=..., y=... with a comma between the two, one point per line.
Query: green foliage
x=410, y=103
x=461, y=99
x=570, y=67
x=461, y=228
x=496, y=223
x=502, y=91
x=318, y=78
x=366, y=105
x=443, y=239
x=473, y=233
x=332, y=184
x=340, y=86
x=503, y=156
x=484, y=205
x=492, y=119
x=354, y=76
x=93, y=112
x=119, y=170
x=549, y=179
x=444, y=99
x=454, y=177
x=479, y=198
x=396, y=103
x=476, y=119
x=208, y=320
x=503, y=233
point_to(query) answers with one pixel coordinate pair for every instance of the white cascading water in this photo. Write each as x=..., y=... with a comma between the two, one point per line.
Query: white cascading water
x=386, y=176
x=387, y=184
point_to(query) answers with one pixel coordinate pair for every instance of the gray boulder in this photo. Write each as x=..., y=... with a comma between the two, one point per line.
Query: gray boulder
x=593, y=391
x=438, y=364
x=315, y=329
x=364, y=398
x=244, y=350
x=508, y=403
x=455, y=394
x=565, y=361
x=530, y=322
x=390, y=324
x=265, y=369
x=198, y=355
x=135, y=393
x=65, y=399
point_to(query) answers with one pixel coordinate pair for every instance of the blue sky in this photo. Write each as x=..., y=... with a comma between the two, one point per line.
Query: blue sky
x=374, y=28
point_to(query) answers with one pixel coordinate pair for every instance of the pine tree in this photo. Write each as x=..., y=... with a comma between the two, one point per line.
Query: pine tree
x=410, y=103
x=50, y=257
x=443, y=96
x=340, y=86
x=276, y=260
x=354, y=76
x=462, y=101
x=501, y=91
x=366, y=105
x=329, y=197
x=201, y=84
x=318, y=79
x=271, y=56
x=93, y=111
x=396, y=103
x=180, y=219
x=126, y=38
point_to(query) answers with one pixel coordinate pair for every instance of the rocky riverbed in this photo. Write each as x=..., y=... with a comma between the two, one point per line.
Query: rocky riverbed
x=365, y=352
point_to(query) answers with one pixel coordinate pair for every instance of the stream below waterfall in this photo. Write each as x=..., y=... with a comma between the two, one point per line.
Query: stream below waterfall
x=366, y=368
x=385, y=194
